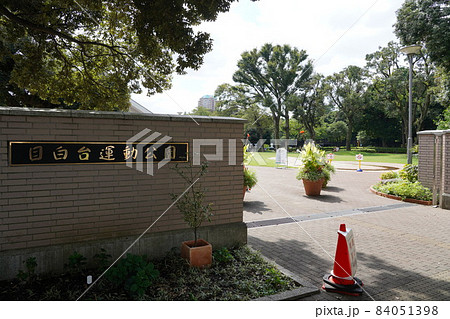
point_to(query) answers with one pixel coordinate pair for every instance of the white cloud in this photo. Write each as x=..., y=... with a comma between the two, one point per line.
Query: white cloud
x=314, y=26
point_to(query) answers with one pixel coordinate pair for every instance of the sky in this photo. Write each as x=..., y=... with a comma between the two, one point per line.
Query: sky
x=335, y=34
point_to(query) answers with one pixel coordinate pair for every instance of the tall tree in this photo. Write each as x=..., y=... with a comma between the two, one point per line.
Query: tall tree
x=273, y=74
x=427, y=22
x=236, y=101
x=96, y=52
x=390, y=85
x=346, y=90
x=309, y=105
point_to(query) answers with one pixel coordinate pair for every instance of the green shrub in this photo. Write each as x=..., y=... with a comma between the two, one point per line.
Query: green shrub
x=250, y=179
x=410, y=173
x=405, y=189
x=389, y=175
x=102, y=260
x=134, y=273
x=223, y=256
x=393, y=150
x=328, y=169
x=76, y=264
x=29, y=275
x=367, y=149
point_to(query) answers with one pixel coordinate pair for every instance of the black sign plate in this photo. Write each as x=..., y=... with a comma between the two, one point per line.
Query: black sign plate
x=73, y=153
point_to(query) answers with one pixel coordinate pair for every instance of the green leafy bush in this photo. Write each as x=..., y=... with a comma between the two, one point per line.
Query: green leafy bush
x=29, y=275
x=101, y=259
x=76, y=264
x=393, y=150
x=405, y=189
x=389, y=175
x=223, y=256
x=410, y=172
x=134, y=273
x=250, y=179
x=327, y=169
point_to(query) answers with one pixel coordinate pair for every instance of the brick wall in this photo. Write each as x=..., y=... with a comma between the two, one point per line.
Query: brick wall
x=434, y=163
x=52, y=210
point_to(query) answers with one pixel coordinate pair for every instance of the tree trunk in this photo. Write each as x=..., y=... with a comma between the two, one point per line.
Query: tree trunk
x=348, y=140
x=276, y=127
x=287, y=127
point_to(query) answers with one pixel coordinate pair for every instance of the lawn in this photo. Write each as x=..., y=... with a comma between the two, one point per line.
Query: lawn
x=268, y=158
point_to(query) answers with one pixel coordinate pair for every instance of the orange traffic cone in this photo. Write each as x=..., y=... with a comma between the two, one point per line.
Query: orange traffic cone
x=341, y=279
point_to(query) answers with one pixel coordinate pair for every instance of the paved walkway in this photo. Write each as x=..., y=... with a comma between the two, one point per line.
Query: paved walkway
x=403, y=249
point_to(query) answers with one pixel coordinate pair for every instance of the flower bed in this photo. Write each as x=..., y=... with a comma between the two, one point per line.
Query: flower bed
x=405, y=191
x=236, y=274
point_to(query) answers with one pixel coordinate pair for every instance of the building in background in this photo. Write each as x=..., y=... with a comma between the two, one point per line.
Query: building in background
x=208, y=102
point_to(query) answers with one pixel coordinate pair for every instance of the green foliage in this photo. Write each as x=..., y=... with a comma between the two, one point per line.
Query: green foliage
x=274, y=74
x=222, y=256
x=275, y=277
x=101, y=259
x=410, y=173
x=236, y=274
x=76, y=264
x=314, y=165
x=337, y=131
x=250, y=179
x=29, y=275
x=191, y=203
x=392, y=150
x=309, y=105
x=444, y=121
x=346, y=91
x=134, y=273
x=95, y=53
x=327, y=169
x=389, y=175
x=405, y=189
x=367, y=149
x=426, y=21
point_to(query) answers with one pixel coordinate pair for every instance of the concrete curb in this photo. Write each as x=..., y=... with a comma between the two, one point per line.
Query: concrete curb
x=307, y=289
x=409, y=200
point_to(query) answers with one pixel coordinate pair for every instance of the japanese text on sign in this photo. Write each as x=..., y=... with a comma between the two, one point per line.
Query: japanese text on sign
x=51, y=153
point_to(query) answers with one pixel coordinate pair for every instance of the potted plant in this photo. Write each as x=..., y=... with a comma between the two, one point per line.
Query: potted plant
x=314, y=170
x=328, y=169
x=250, y=179
x=190, y=203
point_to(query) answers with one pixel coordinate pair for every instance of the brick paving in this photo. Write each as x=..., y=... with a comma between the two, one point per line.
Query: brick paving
x=403, y=253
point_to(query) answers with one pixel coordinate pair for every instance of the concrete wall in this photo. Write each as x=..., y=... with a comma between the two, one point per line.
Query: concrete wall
x=49, y=211
x=434, y=163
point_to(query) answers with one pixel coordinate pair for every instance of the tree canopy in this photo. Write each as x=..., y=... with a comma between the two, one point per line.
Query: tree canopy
x=273, y=74
x=346, y=91
x=94, y=53
x=427, y=22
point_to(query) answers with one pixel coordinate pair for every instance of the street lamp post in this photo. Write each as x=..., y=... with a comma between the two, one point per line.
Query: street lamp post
x=410, y=51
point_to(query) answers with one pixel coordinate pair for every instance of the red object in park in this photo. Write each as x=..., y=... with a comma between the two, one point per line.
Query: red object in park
x=342, y=278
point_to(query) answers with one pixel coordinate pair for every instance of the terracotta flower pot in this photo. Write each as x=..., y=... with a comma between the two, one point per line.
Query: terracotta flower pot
x=245, y=189
x=313, y=188
x=199, y=255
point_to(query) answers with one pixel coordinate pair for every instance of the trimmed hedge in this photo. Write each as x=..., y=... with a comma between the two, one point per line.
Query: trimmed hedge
x=370, y=149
